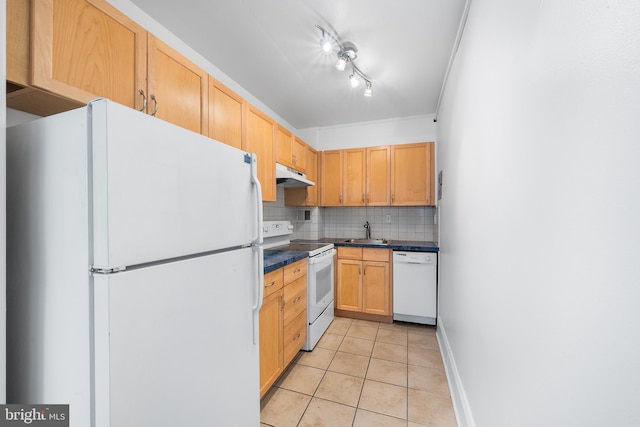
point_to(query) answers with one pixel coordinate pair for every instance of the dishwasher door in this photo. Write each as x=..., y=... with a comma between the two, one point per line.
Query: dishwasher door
x=415, y=287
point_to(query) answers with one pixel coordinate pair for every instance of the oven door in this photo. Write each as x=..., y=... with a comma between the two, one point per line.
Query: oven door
x=319, y=284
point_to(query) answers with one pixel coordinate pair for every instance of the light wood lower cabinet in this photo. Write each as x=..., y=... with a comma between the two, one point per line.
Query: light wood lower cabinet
x=363, y=288
x=271, y=339
x=283, y=320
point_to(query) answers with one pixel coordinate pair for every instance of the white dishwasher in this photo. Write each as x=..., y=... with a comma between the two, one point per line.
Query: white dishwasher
x=415, y=286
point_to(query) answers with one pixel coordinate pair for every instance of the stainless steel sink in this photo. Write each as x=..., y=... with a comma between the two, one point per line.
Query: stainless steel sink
x=368, y=241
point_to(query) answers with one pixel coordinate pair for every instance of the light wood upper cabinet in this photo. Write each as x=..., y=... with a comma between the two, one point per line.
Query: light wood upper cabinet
x=305, y=196
x=177, y=88
x=84, y=49
x=260, y=135
x=18, y=64
x=283, y=146
x=226, y=115
x=331, y=178
x=378, y=192
x=290, y=150
x=411, y=174
x=354, y=164
x=299, y=151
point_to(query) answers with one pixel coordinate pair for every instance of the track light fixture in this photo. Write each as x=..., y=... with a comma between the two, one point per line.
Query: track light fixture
x=347, y=53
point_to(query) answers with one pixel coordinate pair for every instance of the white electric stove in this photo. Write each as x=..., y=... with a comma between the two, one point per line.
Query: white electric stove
x=320, y=285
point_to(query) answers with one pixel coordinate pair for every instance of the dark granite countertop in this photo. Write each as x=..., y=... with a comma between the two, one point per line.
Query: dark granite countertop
x=277, y=258
x=396, y=245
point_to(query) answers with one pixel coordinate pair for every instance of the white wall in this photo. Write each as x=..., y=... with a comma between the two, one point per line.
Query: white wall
x=402, y=130
x=539, y=141
x=3, y=211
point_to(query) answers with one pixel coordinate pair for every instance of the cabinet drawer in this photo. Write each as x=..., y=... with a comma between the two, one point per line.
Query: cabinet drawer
x=349, y=252
x=295, y=335
x=295, y=299
x=273, y=282
x=294, y=271
x=369, y=254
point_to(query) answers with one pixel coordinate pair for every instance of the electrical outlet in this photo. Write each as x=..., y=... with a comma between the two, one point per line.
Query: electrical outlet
x=388, y=219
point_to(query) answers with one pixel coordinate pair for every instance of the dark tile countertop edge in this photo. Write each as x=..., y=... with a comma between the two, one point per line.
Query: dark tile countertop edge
x=275, y=259
x=396, y=245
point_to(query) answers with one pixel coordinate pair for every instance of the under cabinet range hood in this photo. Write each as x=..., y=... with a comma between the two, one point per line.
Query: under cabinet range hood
x=291, y=178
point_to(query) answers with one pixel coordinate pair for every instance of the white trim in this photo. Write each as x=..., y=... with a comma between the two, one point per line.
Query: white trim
x=461, y=406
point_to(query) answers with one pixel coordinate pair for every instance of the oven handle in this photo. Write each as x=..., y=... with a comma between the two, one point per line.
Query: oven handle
x=322, y=257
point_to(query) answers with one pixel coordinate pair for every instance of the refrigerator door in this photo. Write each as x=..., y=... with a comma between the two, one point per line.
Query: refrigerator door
x=173, y=344
x=161, y=192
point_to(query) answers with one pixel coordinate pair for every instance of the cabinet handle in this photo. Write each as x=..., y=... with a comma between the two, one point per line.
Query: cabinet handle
x=281, y=302
x=155, y=106
x=392, y=198
x=267, y=285
x=144, y=100
x=296, y=338
x=297, y=270
x=363, y=200
x=297, y=299
x=364, y=270
x=294, y=159
x=359, y=270
x=340, y=198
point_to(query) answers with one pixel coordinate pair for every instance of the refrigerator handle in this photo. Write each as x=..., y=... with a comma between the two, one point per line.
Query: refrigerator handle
x=256, y=182
x=259, y=252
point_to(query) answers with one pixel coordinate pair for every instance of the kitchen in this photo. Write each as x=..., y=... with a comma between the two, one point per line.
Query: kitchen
x=563, y=62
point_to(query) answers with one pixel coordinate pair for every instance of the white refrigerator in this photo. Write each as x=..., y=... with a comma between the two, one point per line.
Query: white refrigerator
x=134, y=271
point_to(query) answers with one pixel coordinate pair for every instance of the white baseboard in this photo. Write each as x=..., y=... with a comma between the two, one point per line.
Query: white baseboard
x=458, y=395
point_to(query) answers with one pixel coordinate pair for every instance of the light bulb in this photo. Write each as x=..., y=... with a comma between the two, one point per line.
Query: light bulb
x=367, y=91
x=326, y=45
x=354, y=80
x=341, y=64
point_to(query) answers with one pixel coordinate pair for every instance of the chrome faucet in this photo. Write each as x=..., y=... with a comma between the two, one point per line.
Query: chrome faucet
x=367, y=226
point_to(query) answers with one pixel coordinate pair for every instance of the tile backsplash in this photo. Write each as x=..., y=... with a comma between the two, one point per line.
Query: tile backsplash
x=405, y=223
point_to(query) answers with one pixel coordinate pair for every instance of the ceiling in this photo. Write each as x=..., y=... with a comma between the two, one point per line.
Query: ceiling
x=271, y=49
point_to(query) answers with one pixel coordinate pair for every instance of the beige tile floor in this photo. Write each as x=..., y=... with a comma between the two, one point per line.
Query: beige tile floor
x=364, y=374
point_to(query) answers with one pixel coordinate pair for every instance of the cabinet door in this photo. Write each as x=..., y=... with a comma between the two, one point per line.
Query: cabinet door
x=260, y=130
x=298, y=155
x=177, y=88
x=283, y=145
x=376, y=287
x=311, y=166
x=225, y=114
x=349, y=287
x=331, y=178
x=378, y=176
x=271, y=341
x=353, y=177
x=306, y=196
x=411, y=170
x=17, y=53
x=85, y=49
